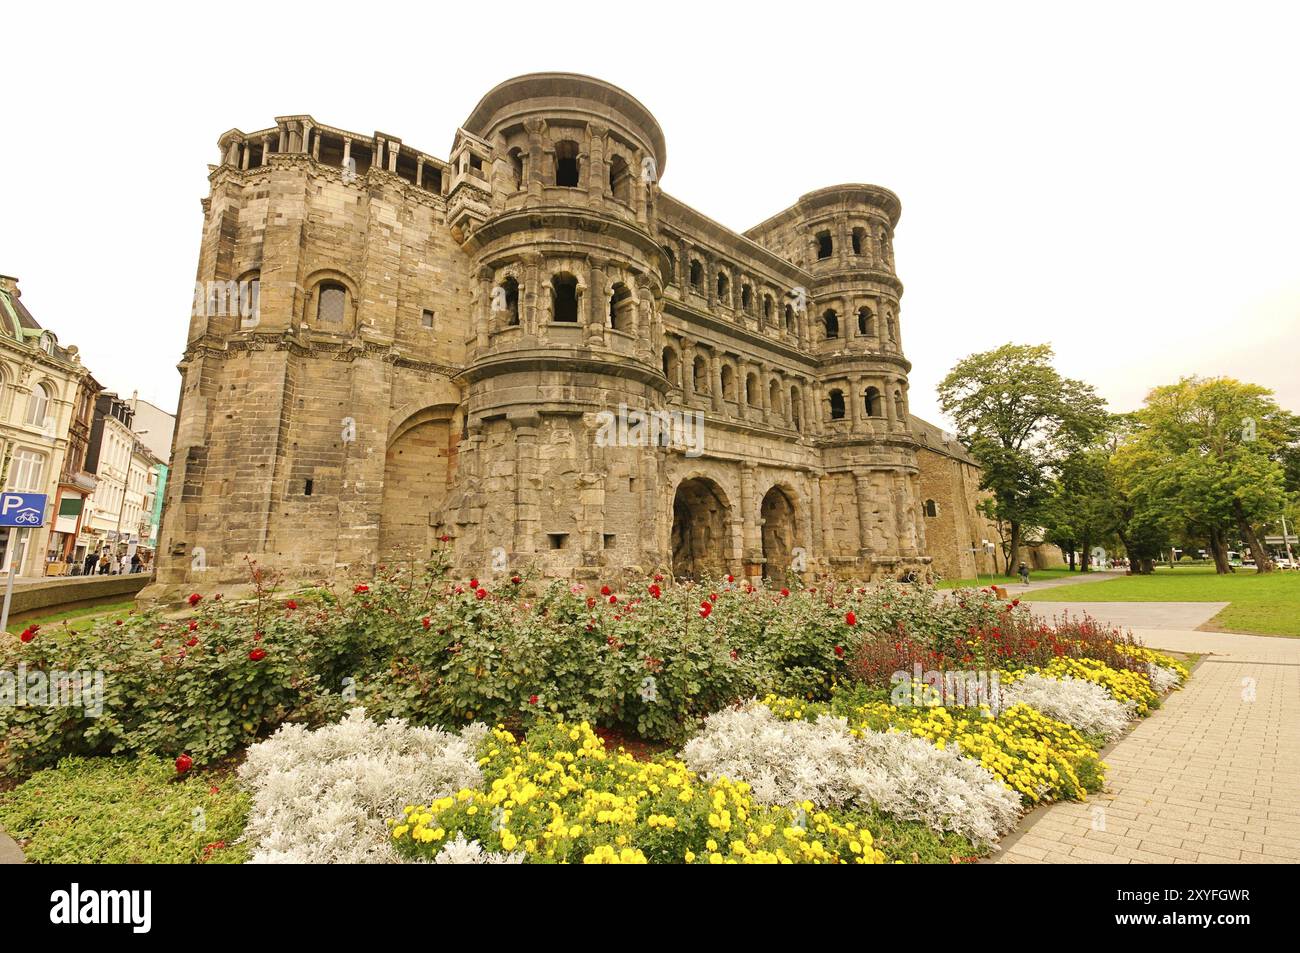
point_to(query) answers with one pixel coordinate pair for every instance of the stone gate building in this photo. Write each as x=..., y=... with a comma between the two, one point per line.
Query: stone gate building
x=393, y=353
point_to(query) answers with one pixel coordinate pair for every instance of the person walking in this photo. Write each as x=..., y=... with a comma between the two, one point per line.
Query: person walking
x=92, y=560
x=1023, y=570
x=135, y=562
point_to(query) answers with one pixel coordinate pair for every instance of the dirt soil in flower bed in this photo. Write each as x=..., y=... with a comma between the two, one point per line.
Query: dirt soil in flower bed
x=636, y=747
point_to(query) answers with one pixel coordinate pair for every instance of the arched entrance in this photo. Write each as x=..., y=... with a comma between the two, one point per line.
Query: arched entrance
x=778, y=533
x=416, y=475
x=700, y=542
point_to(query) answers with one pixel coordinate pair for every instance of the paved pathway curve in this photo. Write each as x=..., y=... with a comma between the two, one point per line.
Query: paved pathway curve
x=1133, y=615
x=9, y=852
x=1213, y=776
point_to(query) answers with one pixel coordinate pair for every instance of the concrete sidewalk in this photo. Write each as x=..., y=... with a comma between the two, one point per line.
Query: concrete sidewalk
x=1213, y=776
x=9, y=852
x=1179, y=616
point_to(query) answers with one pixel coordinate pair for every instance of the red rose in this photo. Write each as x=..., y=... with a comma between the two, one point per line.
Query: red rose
x=184, y=763
x=659, y=577
x=28, y=634
x=473, y=583
x=516, y=580
x=291, y=604
x=613, y=600
x=705, y=609
x=194, y=640
x=195, y=599
x=360, y=588
x=730, y=578
x=839, y=651
x=785, y=593
x=426, y=622
x=480, y=593
x=444, y=538
x=257, y=654
x=655, y=591
x=604, y=590
x=850, y=618
x=591, y=602
x=532, y=699
x=193, y=625
x=713, y=597
x=735, y=654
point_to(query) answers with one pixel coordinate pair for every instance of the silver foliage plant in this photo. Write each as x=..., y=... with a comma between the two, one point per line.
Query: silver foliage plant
x=1163, y=679
x=461, y=851
x=787, y=762
x=325, y=796
x=1078, y=703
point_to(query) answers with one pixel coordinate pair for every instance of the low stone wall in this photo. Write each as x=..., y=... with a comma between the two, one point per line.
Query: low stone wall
x=73, y=592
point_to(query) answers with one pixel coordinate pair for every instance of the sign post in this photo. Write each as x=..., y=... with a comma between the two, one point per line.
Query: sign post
x=18, y=511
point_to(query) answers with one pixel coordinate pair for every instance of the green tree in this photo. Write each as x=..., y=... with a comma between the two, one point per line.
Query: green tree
x=1019, y=418
x=1210, y=450
x=1082, y=511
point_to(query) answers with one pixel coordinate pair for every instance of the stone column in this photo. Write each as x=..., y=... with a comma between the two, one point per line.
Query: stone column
x=855, y=398
x=765, y=396
x=752, y=551
x=715, y=374
x=688, y=371
x=824, y=494
x=862, y=490
x=597, y=179
x=534, y=128
x=527, y=485
x=598, y=307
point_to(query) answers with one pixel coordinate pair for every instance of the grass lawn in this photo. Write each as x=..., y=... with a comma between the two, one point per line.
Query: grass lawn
x=1268, y=604
x=79, y=620
x=1037, y=575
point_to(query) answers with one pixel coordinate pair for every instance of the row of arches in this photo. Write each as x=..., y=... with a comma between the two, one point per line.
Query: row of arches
x=867, y=325
x=703, y=543
x=566, y=299
x=566, y=165
x=860, y=239
x=721, y=291
x=785, y=402
x=872, y=403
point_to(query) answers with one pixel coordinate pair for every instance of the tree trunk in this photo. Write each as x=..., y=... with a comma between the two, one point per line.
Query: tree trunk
x=1013, y=556
x=1085, y=555
x=1220, y=552
x=1262, y=561
x=1148, y=566
x=1070, y=555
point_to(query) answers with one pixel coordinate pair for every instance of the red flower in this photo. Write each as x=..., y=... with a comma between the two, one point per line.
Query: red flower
x=591, y=602
x=604, y=590
x=184, y=763
x=785, y=593
x=473, y=583
x=193, y=625
x=659, y=577
x=291, y=604
x=613, y=600
x=730, y=578
x=705, y=609
x=257, y=654
x=195, y=599
x=735, y=654
x=850, y=618
x=29, y=633
x=480, y=593
x=426, y=622
x=360, y=589
x=516, y=580
x=444, y=538
x=839, y=651
x=713, y=597
x=193, y=641
x=532, y=699
x=655, y=590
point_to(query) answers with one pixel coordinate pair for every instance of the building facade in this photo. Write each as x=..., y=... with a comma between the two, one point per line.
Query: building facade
x=45, y=399
x=392, y=353
x=120, y=511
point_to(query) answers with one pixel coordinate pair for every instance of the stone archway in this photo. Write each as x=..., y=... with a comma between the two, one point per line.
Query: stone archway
x=780, y=531
x=417, y=471
x=700, y=540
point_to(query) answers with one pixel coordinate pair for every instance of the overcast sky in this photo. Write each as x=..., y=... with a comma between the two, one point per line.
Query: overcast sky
x=1120, y=180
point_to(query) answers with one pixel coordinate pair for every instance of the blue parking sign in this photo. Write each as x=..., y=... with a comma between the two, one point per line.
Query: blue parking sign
x=25, y=510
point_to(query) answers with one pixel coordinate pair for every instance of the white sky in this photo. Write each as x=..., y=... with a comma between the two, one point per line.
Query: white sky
x=1119, y=180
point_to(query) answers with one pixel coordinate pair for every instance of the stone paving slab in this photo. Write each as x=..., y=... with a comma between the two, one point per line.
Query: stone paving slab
x=9, y=852
x=1147, y=615
x=1213, y=776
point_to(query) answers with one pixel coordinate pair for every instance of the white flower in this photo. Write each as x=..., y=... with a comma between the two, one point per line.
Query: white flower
x=786, y=762
x=325, y=796
x=1163, y=679
x=461, y=851
x=1081, y=704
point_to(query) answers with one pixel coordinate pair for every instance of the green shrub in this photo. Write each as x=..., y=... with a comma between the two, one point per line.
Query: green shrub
x=126, y=811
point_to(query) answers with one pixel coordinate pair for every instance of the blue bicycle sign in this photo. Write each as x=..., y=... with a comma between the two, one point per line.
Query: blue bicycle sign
x=22, y=509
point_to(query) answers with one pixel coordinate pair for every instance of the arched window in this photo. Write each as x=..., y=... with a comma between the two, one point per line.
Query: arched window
x=620, y=180
x=747, y=299
x=859, y=234
x=774, y=398
x=728, y=382
x=789, y=320
x=753, y=397
x=768, y=306
x=566, y=164
x=865, y=328
x=564, y=292
x=38, y=406
x=700, y=375
x=670, y=364
x=621, y=308
x=697, y=276
x=825, y=246
x=331, y=303
x=509, y=299
x=796, y=413
x=724, y=289
x=831, y=321
x=670, y=277
x=836, y=400
x=517, y=167
x=931, y=508
x=871, y=402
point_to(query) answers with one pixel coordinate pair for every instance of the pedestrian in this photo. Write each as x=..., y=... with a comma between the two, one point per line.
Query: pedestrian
x=105, y=562
x=135, y=562
x=1024, y=574
x=92, y=560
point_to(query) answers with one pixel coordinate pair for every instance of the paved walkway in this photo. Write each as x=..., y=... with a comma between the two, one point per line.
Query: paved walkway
x=1133, y=615
x=1016, y=589
x=1213, y=776
x=9, y=852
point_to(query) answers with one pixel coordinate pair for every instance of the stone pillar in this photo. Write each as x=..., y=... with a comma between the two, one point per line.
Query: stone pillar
x=752, y=551
x=597, y=179
x=688, y=371
x=715, y=379
x=862, y=490
x=856, y=400
x=598, y=312
x=534, y=128
x=483, y=312
x=527, y=485
x=824, y=494
x=765, y=395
